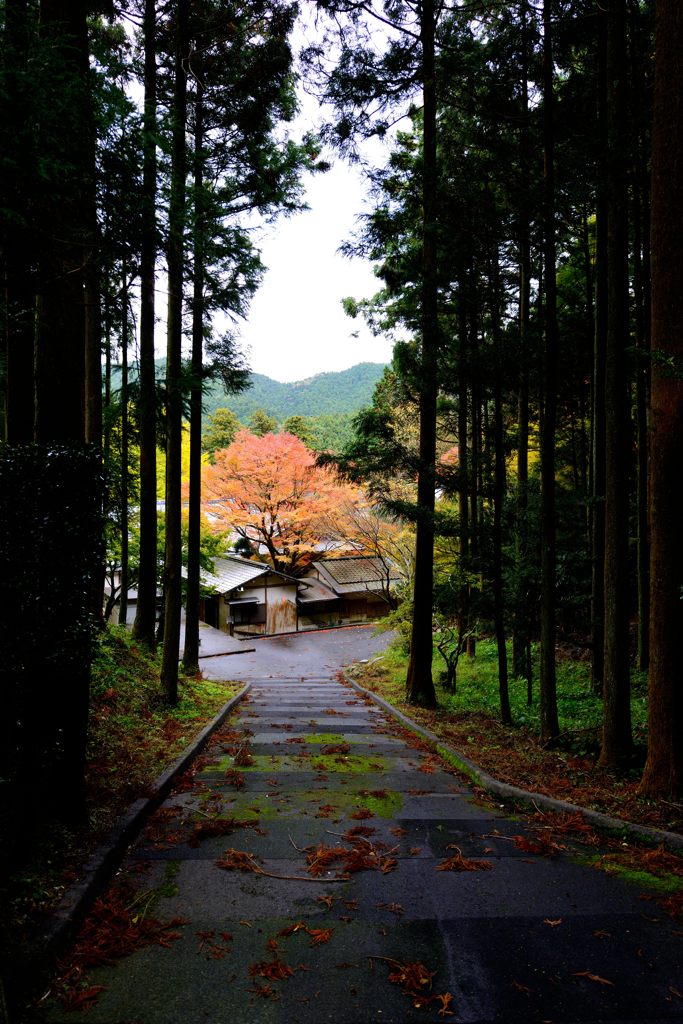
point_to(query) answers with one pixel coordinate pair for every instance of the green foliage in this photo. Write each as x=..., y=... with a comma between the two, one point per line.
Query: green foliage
x=299, y=427
x=325, y=394
x=579, y=709
x=330, y=433
x=261, y=424
x=220, y=430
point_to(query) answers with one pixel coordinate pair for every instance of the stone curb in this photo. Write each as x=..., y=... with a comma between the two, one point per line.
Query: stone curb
x=108, y=856
x=226, y=654
x=507, y=792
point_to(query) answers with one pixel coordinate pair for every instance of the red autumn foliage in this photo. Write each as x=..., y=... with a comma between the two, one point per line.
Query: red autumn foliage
x=116, y=927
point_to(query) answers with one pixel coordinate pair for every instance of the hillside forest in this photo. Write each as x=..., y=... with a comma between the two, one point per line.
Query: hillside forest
x=525, y=225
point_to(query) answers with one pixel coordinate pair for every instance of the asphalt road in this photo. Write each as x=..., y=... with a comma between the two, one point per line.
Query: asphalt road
x=308, y=655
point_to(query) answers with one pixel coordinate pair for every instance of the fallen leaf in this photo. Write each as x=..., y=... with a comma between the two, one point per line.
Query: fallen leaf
x=459, y=863
x=552, y=924
x=264, y=991
x=274, y=970
x=593, y=977
x=238, y=860
x=320, y=935
x=394, y=908
x=544, y=845
x=446, y=999
x=292, y=929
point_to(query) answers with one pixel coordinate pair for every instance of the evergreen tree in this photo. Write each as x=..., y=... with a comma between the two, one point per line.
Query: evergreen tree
x=664, y=769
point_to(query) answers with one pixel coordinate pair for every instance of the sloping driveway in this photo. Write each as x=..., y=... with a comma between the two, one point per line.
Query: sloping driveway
x=295, y=655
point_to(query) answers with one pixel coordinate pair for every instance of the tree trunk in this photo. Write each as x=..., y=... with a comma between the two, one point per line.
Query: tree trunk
x=123, y=601
x=60, y=311
x=521, y=631
x=18, y=313
x=663, y=776
x=598, y=384
x=548, y=696
x=616, y=734
x=145, y=613
x=191, y=648
x=641, y=289
x=419, y=682
x=463, y=461
x=499, y=488
x=475, y=447
x=174, y=337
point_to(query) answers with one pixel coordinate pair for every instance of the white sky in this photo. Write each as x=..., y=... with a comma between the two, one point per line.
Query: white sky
x=296, y=326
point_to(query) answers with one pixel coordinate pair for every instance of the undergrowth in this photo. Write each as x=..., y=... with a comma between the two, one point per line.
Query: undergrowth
x=133, y=736
x=469, y=721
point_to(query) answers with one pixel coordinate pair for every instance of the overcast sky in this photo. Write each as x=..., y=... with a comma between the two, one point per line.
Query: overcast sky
x=296, y=326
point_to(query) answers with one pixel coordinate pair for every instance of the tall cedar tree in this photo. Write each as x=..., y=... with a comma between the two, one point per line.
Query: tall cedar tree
x=52, y=283
x=616, y=736
x=548, y=694
x=664, y=768
x=419, y=683
x=174, y=335
x=145, y=613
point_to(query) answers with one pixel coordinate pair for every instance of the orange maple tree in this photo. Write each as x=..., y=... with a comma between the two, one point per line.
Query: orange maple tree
x=270, y=491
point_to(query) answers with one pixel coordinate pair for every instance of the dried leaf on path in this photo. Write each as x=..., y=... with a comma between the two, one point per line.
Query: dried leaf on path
x=446, y=999
x=459, y=863
x=593, y=977
x=274, y=970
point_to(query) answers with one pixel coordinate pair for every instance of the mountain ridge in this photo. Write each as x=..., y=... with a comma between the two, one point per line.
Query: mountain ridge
x=327, y=393
x=330, y=393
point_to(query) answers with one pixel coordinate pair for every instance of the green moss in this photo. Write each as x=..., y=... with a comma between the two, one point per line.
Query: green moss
x=665, y=884
x=382, y=803
x=348, y=763
x=169, y=886
x=268, y=763
x=386, y=806
x=325, y=738
x=453, y=759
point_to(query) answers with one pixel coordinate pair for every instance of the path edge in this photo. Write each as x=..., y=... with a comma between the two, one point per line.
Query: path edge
x=603, y=822
x=108, y=856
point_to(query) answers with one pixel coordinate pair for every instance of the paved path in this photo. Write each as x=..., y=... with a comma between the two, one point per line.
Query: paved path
x=523, y=939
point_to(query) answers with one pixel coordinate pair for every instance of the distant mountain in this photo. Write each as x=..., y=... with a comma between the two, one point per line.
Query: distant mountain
x=324, y=394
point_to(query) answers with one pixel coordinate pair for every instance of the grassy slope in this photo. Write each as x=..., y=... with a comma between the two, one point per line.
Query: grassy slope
x=469, y=722
x=133, y=737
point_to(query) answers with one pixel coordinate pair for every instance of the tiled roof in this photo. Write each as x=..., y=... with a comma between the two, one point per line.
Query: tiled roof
x=231, y=572
x=353, y=573
x=315, y=591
